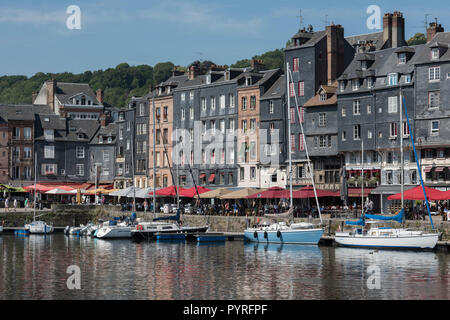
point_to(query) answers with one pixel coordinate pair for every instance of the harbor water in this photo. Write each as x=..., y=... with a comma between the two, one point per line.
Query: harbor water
x=36, y=267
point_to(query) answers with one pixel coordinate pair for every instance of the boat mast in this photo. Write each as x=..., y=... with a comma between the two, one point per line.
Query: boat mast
x=402, y=169
x=362, y=176
x=154, y=153
x=304, y=143
x=132, y=159
x=35, y=174
x=291, y=204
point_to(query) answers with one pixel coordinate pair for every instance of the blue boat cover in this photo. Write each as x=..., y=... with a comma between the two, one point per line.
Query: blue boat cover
x=399, y=217
x=176, y=217
x=360, y=222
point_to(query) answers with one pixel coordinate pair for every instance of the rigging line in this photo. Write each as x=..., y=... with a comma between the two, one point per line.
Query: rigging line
x=304, y=143
x=411, y=134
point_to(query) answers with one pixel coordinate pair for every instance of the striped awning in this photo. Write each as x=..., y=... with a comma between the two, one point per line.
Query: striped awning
x=427, y=169
x=439, y=169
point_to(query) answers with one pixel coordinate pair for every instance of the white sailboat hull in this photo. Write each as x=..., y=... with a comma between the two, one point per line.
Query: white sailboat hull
x=1, y=229
x=39, y=227
x=114, y=232
x=412, y=241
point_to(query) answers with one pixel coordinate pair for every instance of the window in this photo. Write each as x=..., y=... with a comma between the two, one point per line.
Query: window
x=191, y=113
x=389, y=177
x=166, y=114
x=434, y=73
x=369, y=109
x=295, y=64
x=292, y=115
x=128, y=144
x=27, y=153
x=231, y=125
x=322, y=119
x=183, y=114
x=252, y=102
x=323, y=141
x=141, y=109
x=355, y=84
x=203, y=127
x=435, y=127
x=191, y=95
x=231, y=100
x=222, y=126
x=344, y=136
x=435, y=53
x=393, y=130
x=408, y=78
x=252, y=124
x=272, y=127
x=49, y=134
x=301, y=142
x=231, y=155
x=392, y=79
x=252, y=150
x=165, y=136
x=244, y=103
x=203, y=103
x=343, y=112
x=292, y=143
x=369, y=134
x=369, y=82
x=271, y=107
x=405, y=129
x=433, y=99
x=49, y=152
x=49, y=169
x=392, y=104
x=301, y=88
x=80, y=152
x=105, y=156
x=213, y=126
x=244, y=125
x=323, y=96
x=291, y=89
x=183, y=96
x=341, y=86
x=401, y=58
x=363, y=65
x=356, y=107
x=301, y=112
x=252, y=173
x=80, y=170
x=222, y=101
x=213, y=103
x=27, y=133
x=242, y=174
x=357, y=132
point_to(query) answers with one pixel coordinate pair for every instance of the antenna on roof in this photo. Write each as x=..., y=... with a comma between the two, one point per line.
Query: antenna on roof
x=426, y=21
x=326, y=20
x=301, y=18
x=201, y=56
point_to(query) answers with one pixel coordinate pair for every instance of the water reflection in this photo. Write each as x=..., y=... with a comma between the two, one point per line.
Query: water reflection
x=35, y=267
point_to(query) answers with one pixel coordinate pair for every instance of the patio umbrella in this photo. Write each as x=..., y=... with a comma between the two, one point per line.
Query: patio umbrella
x=271, y=193
x=39, y=188
x=416, y=193
x=144, y=193
x=215, y=193
x=192, y=192
x=240, y=194
x=123, y=192
x=61, y=191
x=308, y=192
x=167, y=192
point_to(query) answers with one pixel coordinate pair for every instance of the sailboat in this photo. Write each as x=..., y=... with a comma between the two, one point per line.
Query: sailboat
x=374, y=236
x=37, y=227
x=281, y=232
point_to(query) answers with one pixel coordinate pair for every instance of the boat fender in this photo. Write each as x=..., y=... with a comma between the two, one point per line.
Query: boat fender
x=279, y=234
x=255, y=235
x=265, y=234
x=139, y=227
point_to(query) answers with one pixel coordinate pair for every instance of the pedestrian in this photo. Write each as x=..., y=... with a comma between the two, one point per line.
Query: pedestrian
x=25, y=204
x=15, y=204
x=7, y=204
x=145, y=205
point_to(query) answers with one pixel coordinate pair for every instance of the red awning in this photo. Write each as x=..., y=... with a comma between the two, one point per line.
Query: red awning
x=417, y=194
x=202, y=175
x=439, y=169
x=211, y=177
x=192, y=192
x=167, y=192
x=427, y=169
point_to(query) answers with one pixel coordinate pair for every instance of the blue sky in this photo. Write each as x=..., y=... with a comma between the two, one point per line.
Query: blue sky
x=34, y=36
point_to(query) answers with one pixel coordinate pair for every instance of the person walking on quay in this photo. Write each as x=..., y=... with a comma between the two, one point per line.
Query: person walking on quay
x=15, y=204
x=236, y=210
x=25, y=204
x=145, y=205
x=7, y=204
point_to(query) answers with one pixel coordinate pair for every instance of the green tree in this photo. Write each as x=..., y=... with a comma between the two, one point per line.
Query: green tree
x=162, y=71
x=418, y=38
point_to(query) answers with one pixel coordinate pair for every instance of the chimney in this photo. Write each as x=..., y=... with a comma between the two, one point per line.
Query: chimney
x=176, y=72
x=51, y=91
x=103, y=120
x=100, y=95
x=433, y=29
x=398, y=30
x=335, y=52
x=387, y=29
x=34, y=96
x=257, y=65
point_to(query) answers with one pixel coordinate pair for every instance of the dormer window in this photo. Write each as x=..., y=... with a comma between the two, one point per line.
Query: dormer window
x=208, y=79
x=227, y=75
x=248, y=81
x=159, y=91
x=342, y=85
x=168, y=89
x=435, y=53
x=369, y=82
x=355, y=84
x=100, y=139
x=323, y=96
x=363, y=65
x=83, y=100
x=408, y=78
x=392, y=79
x=401, y=58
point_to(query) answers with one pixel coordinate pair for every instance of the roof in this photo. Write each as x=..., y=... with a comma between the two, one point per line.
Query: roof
x=314, y=37
x=87, y=127
x=24, y=112
x=64, y=91
x=276, y=90
x=262, y=76
x=331, y=97
x=376, y=38
x=441, y=39
x=108, y=131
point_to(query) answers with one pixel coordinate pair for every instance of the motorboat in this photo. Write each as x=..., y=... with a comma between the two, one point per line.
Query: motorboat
x=119, y=230
x=149, y=230
x=39, y=227
x=281, y=232
x=370, y=235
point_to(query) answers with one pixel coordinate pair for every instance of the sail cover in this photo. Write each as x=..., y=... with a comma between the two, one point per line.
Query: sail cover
x=398, y=217
x=360, y=222
x=176, y=217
